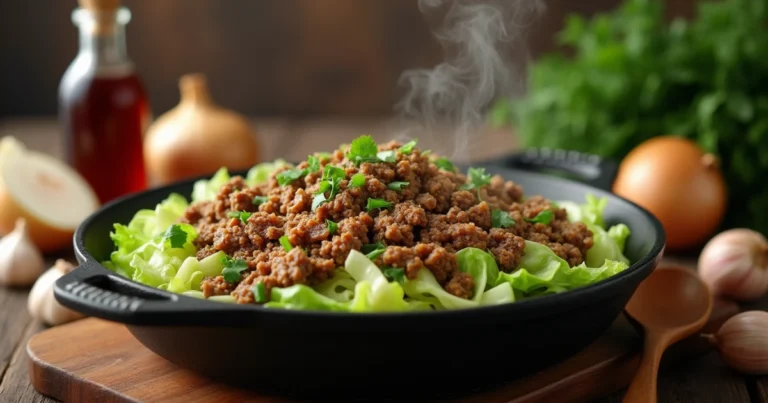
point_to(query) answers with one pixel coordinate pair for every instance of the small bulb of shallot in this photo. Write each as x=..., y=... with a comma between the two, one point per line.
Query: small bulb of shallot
x=742, y=342
x=21, y=262
x=41, y=303
x=734, y=264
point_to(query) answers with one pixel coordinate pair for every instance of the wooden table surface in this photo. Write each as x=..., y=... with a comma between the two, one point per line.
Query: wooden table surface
x=705, y=379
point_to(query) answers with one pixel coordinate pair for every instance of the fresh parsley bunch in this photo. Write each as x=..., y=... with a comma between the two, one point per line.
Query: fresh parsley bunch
x=633, y=77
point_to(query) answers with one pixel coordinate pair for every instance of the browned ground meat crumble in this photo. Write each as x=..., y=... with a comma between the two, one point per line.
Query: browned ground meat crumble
x=431, y=219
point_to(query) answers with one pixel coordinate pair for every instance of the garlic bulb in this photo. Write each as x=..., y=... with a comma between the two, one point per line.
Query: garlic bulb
x=742, y=342
x=41, y=303
x=734, y=263
x=21, y=262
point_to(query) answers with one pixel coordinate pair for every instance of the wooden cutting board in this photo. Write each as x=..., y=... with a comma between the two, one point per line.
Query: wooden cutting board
x=93, y=360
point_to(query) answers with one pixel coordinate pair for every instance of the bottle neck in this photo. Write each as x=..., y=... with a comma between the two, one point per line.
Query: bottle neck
x=102, y=38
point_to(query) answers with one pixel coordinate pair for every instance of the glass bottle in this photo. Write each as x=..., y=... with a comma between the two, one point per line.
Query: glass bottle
x=103, y=107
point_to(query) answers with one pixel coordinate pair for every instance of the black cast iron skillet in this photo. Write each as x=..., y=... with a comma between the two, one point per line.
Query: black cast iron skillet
x=338, y=355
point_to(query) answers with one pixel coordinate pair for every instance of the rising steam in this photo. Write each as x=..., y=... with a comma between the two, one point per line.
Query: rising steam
x=485, y=54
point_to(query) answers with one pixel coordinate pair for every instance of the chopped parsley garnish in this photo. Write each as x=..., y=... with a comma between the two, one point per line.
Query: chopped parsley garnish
x=544, y=217
x=358, y=180
x=314, y=163
x=377, y=203
x=176, y=236
x=330, y=181
x=363, y=149
x=290, y=175
x=232, y=268
x=259, y=200
x=286, y=243
x=259, y=293
x=407, y=148
x=332, y=226
x=240, y=215
x=477, y=178
x=373, y=250
x=445, y=164
x=397, y=185
x=387, y=156
x=501, y=219
x=426, y=152
x=395, y=274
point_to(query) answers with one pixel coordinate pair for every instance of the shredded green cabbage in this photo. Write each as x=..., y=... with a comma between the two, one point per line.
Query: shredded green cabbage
x=155, y=249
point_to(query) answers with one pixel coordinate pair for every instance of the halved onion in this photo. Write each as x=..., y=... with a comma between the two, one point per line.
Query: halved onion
x=51, y=196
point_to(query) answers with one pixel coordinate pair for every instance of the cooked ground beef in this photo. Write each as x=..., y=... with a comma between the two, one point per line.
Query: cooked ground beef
x=430, y=220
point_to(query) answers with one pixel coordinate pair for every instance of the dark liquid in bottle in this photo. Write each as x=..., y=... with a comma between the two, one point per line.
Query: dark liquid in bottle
x=104, y=120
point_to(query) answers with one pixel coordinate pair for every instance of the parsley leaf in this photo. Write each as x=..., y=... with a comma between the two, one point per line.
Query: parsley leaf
x=240, y=215
x=363, y=149
x=373, y=250
x=395, y=274
x=332, y=172
x=332, y=226
x=407, y=148
x=318, y=200
x=259, y=200
x=445, y=164
x=314, y=163
x=358, y=180
x=176, y=235
x=398, y=185
x=259, y=293
x=324, y=187
x=286, y=243
x=477, y=178
x=387, y=156
x=377, y=203
x=289, y=175
x=232, y=269
x=544, y=217
x=501, y=219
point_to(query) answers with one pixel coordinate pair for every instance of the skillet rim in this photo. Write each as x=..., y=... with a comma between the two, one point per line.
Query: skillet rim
x=543, y=304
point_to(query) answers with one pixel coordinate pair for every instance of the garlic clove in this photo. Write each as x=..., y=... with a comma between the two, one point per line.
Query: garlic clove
x=742, y=342
x=42, y=304
x=21, y=262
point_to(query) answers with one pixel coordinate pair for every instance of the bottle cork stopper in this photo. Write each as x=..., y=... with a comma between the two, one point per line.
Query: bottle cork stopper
x=100, y=5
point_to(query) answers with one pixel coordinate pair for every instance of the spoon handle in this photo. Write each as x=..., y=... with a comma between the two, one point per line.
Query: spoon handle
x=643, y=386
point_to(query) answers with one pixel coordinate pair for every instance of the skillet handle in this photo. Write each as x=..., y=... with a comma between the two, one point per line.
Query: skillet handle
x=587, y=168
x=95, y=291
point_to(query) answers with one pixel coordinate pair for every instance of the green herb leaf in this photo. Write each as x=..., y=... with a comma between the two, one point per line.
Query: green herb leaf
x=289, y=175
x=397, y=185
x=377, y=203
x=332, y=172
x=373, y=250
x=243, y=216
x=426, y=152
x=318, y=200
x=259, y=200
x=232, y=269
x=407, y=148
x=332, y=226
x=286, y=243
x=445, y=164
x=358, y=180
x=363, y=149
x=501, y=219
x=544, y=217
x=395, y=274
x=176, y=236
x=259, y=293
x=314, y=163
x=477, y=178
x=387, y=156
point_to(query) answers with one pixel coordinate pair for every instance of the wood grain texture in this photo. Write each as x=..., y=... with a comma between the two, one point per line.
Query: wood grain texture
x=107, y=363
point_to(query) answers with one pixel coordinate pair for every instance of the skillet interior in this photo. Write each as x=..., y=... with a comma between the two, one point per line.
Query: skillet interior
x=350, y=354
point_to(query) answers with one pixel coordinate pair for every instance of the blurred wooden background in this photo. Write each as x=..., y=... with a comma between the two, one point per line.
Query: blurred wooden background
x=262, y=57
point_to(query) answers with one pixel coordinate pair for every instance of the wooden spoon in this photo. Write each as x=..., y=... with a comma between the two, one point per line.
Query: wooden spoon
x=671, y=304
